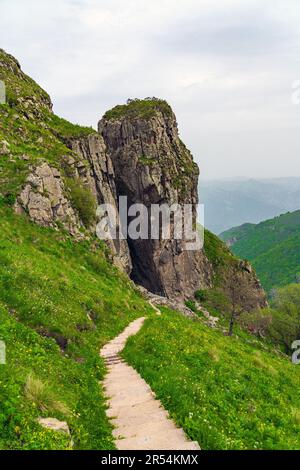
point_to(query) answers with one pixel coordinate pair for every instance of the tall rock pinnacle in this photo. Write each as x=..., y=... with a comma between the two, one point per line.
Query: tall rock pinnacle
x=153, y=166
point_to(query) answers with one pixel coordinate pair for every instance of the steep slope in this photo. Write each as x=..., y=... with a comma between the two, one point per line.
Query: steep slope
x=273, y=247
x=230, y=203
x=58, y=173
x=60, y=302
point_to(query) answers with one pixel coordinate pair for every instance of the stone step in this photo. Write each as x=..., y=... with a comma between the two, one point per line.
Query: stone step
x=158, y=442
x=154, y=426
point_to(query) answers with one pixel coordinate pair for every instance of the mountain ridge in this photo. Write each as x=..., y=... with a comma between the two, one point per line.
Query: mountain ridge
x=230, y=203
x=266, y=243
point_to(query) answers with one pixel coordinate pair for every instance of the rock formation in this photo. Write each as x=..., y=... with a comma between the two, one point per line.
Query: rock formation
x=46, y=199
x=43, y=198
x=153, y=166
x=93, y=166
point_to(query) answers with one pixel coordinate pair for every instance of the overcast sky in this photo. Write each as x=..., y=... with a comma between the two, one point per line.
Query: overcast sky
x=226, y=67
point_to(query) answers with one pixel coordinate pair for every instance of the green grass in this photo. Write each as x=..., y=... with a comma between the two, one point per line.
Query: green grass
x=83, y=200
x=149, y=161
x=266, y=243
x=216, y=250
x=227, y=393
x=60, y=301
x=139, y=109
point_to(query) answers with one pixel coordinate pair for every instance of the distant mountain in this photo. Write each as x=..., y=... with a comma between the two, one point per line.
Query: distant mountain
x=272, y=246
x=230, y=203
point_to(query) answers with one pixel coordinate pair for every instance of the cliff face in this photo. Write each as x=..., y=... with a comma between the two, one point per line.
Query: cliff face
x=153, y=166
x=93, y=166
x=48, y=200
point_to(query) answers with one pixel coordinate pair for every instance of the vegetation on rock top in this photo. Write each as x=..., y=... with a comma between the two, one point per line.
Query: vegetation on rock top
x=139, y=109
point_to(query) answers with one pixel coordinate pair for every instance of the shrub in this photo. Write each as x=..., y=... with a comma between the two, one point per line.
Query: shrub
x=8, y=199
x=39, y=393
x=201, y=295
x=83, y=201
x=257, y=322
x=191, y=305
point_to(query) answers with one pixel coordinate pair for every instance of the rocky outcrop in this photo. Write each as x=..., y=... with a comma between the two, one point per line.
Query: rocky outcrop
x=93, y=166
x=47, y=201
x=43, y=198
x=254, y=294
x=30, y=99
x=153, y=166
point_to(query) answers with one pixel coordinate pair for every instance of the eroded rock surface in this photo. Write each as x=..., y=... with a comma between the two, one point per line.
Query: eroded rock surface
x=43, y=198
x=153, y=166
x=46, y=199
x=95, y=169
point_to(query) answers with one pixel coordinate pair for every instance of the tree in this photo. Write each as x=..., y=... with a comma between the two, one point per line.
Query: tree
x=283, y=330
x=286, y=315
x=243, y=296
x=258, y=322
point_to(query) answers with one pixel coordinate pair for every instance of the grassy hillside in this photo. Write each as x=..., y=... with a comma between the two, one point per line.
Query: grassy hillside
x=273, y=247
x=29, y=129
x=60, y=301
x=227, y=393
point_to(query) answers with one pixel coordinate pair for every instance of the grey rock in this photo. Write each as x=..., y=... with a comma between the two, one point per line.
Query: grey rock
x=153, y=166
x=94, y=168
x=4, y=147
x=43, y=198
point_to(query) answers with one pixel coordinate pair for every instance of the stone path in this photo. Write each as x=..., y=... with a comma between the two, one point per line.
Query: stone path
x=141, y=423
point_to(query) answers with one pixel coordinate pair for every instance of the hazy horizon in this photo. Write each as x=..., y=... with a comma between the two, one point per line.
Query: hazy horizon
x=249, y=178
x=227, y=68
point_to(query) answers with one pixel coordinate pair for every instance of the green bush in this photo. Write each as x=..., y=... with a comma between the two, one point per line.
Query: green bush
x=8, y=199
x=83, y=201
x=201, y=295
x=137, y=108
x=191, y=305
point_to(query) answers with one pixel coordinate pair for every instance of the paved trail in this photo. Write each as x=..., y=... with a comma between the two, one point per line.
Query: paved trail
x=141, y=423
